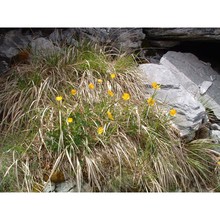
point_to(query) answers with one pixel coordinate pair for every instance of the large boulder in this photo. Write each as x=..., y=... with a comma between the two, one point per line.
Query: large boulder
x=196, y=76
x=190, y=113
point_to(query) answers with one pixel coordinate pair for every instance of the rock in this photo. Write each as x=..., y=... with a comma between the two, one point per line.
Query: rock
x=13, y=42
x=67, y=37
x=192, y=73
x=4, y=67
x=67, y=186
x=190, y=113
x=49, y=187
x=126, y=39
x=215, y=127
x=215, y=135
x=204, y=87
x=43, y=46
x=179, y=34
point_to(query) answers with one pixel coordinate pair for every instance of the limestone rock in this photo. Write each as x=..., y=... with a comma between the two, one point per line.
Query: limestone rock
x=190, y=113
x=183, y=33
x=49, y=187
x=4, y=67
x=14, y=41
x=192, y=73
x=215, y=127
x=204, y=87
x=215, y=134
x=43, y=46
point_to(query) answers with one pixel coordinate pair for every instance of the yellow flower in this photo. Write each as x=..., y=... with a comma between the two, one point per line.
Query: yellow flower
x=126, y=96
x=73, y=91
x=150, y=101
x=155, y=85
x=172, y=112
x=100, y=130
x=59, y=98
x=69, y=120
x=91, y=86
x=218, y=163
x=110, y=115
x=110, y=93
x=99, y=81
x=113, y=75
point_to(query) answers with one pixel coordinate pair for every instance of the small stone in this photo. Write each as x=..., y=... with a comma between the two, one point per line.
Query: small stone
x=204, y=87
x=67, y=186
x=215, y=134
x=50, y=187
x=215, y=127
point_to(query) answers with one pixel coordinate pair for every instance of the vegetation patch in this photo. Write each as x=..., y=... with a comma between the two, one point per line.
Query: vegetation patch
x=82, y=114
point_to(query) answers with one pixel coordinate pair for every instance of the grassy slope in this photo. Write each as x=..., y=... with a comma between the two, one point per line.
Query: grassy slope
x=103, y=132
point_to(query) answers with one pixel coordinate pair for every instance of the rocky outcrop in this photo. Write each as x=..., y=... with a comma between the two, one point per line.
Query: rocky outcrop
x=180, y=34
x=191, y=86
x=13, y=41
x=190, y=113
x=126, y=39
x=197, y=77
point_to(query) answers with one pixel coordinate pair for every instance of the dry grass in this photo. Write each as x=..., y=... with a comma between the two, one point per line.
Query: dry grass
x=136, y=149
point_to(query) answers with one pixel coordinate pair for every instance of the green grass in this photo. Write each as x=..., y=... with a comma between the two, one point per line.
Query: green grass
x=136, y=149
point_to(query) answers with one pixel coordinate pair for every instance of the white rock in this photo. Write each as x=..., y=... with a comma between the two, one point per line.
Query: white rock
x=192, y=72
x=190, y=113
x=49, y=187
x=204, y=87
x=215, y=135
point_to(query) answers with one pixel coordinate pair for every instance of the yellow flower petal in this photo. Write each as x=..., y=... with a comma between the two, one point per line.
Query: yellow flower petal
x=155, y=85
x=73, y=91
x=100, y=130
x=172, y=112
x=110, y=115
x=126, y=96
x=99, y=81
x=218, y=163
x=91, y=86
x=113, y=75
x=110, y=93
x=59, y=98
x=150, y=101
x=69, y=120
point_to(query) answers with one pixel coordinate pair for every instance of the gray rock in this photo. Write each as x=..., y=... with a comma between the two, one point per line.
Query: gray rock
x=192, y=73
x=43, y=46
x=66, y=37
x=49, y=187
x=183, y=33
x=190, y=113
x=67, y=186
x=204, y=87
x=215, y=127
x=13, y=42
x=4, y=67
x=215, y=135
x=126, y=39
